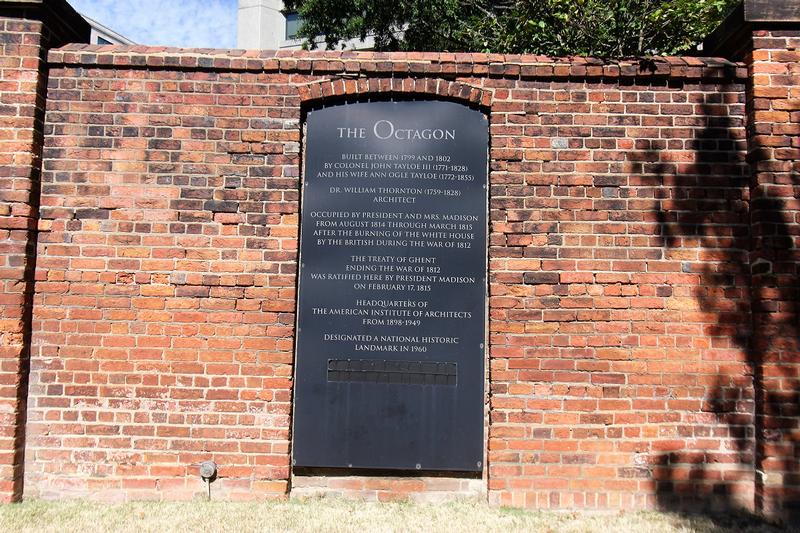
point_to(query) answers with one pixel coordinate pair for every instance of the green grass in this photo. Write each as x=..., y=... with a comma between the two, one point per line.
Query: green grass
x=341, y=515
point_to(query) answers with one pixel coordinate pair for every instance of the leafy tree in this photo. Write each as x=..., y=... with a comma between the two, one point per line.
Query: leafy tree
x=602, y=28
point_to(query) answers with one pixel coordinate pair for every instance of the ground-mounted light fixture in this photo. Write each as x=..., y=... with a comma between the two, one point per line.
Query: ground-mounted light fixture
x=208, y=472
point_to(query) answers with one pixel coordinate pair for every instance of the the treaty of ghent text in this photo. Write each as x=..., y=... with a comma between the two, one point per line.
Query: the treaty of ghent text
x=391, y=305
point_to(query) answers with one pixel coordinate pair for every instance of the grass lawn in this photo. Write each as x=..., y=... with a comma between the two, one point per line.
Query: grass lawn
x=340, y=515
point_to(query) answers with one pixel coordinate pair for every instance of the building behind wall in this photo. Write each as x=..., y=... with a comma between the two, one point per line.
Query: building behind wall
x=266, y=25
x=102, y=34
x=262, y=24
x=642, y=257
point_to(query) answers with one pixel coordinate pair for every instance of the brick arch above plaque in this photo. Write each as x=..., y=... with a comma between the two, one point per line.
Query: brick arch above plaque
x=354, y=89
x=391, y=310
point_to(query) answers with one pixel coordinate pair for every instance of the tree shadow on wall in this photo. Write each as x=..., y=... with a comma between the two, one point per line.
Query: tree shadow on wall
x=705, y=207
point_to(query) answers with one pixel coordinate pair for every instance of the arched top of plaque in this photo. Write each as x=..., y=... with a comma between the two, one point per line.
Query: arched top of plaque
x=338, y=91
x=428, y=129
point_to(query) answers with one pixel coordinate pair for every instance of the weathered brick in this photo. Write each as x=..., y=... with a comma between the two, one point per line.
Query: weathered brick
x=620, y=307
x=21, y=42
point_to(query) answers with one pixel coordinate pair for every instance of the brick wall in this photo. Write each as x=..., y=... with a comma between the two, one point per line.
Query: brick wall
x=774, y=130
x=165, y=284
x=618, y=294
x=20, y=132
x=642, y=270
x=27, y=31
x=619, y=276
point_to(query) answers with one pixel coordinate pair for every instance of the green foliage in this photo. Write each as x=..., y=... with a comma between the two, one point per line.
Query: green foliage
x=601, y=28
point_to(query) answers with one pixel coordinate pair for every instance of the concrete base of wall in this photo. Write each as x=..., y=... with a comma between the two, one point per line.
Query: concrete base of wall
x=429, y=489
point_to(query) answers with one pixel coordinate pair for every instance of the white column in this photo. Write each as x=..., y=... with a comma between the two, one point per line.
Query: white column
x=261, y=25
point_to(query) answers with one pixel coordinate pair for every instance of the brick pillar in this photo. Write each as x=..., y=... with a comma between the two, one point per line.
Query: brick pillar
x=766, y=35
x=27, y=29
x=774, y=150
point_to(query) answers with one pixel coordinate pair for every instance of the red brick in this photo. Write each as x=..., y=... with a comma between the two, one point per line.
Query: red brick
x=619, y=288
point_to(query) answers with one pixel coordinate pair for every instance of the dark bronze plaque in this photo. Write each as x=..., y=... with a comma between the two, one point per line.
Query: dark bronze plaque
x=391, y=306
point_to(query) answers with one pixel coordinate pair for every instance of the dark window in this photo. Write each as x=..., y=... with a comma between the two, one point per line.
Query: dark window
x=293, y=23
x=100, y=40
